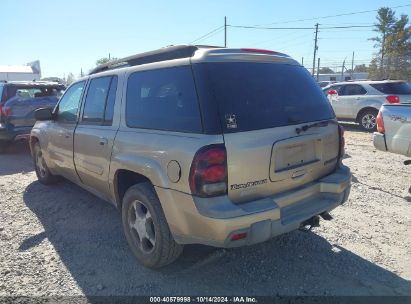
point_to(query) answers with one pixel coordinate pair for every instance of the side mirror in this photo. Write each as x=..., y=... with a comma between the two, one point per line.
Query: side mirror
x=43, y=114
x=332, y=92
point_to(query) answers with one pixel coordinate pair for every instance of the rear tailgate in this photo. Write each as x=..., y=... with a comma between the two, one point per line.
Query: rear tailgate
x=261, y=106
x=266, y=162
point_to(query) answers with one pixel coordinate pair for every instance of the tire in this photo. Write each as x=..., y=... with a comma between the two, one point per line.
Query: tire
x=368, y=120
x=42, y=171
x=146, y=227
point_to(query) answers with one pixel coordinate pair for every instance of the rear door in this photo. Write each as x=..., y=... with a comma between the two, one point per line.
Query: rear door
x=95, y=133
x=350, y=97
x=263, y=108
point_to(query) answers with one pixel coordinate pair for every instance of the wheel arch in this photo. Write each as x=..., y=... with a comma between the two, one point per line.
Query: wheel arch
x=123, y=180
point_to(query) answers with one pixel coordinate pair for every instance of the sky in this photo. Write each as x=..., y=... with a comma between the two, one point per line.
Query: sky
x=69, y=36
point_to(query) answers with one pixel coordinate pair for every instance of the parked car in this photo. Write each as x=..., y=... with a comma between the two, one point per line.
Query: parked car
x=18, y=101
x=196, y=145
x=325, y=83
x=360, y=101
x=394, y=129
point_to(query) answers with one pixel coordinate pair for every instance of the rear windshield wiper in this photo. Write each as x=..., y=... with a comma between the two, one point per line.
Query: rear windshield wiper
x=317, y=124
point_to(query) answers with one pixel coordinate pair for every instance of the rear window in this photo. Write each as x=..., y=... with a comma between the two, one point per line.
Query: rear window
x=393, y=87
x=252, y=96
x=25, y=92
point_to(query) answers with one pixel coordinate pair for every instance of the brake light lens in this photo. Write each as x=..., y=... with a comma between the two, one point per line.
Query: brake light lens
x=393, y=99
x=342, y=141
x=239, y=236
x=259, y=51
x=332, y=92
x=380, y=123
x=6, y=111
x=208, y=173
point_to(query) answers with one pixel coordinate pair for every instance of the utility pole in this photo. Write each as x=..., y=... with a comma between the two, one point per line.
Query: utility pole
x=352, y=62
x=382, y=56
x=225, y=31
x=315, y=47
x=302, y=61
x=342, y=71
x=318, y=69
x=109, y=57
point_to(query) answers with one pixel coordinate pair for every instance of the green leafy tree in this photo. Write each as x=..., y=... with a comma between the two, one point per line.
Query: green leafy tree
x=326, y=70
x=105, y=60
x=69, y=79
x=393, y=59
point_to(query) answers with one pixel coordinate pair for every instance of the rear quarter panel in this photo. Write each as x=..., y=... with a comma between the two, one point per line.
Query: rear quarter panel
x=154, y=154
x=368, y=102
x=397, y=124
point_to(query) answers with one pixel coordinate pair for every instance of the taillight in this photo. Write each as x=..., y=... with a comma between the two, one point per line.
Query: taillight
x=380, y=123
x=208, y=173
x=393, y=99
x=341, y=151
x=7, y=111
x=251, y=50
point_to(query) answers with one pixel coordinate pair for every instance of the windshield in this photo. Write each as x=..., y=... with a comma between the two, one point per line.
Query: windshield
x=252, y=96
x=393, y=88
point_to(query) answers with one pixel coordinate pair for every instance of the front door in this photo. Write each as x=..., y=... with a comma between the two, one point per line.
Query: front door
x=61, y=131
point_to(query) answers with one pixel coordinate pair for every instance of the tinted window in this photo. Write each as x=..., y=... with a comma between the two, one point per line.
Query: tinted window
x=163, y=99
x=69, y=103
x=253, y=96
x=352, y=89
x=393, y=87
x=109, y=112
x=96, y=100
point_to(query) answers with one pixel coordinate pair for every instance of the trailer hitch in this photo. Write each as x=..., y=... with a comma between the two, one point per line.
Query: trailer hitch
x=310, y=223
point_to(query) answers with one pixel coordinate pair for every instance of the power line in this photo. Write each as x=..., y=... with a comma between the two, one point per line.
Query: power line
x=332, y=16
x=270, y=28
x=208, y=35
x=299, y=28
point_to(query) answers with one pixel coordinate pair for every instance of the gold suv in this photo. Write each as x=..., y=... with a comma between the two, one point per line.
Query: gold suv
x=216, y=146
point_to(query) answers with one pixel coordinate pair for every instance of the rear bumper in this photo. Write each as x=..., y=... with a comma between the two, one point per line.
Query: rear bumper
x=379, y=141
x=214, y=221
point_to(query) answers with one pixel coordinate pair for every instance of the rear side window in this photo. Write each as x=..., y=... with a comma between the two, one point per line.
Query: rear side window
x=1, y=93
x=252, y=96
x=393, y=88
x=163, y=99
x=352, y=89
x=99, y=104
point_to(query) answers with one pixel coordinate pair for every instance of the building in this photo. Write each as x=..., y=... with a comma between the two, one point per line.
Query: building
x=345, y=77
x=29, y=72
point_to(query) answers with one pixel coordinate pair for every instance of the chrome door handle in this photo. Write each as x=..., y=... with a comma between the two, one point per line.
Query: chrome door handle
x=103, y=141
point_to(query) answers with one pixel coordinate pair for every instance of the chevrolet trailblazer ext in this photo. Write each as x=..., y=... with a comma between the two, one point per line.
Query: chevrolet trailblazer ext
x=215, y=146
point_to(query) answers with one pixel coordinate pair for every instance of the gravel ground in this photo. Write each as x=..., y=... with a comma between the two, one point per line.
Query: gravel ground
x=61, y=240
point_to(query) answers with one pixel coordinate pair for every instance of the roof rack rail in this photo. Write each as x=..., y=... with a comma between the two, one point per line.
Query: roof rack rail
x=166, y=53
